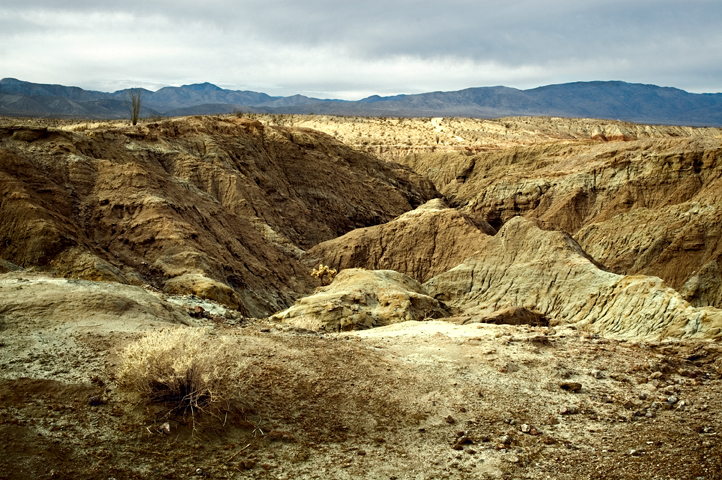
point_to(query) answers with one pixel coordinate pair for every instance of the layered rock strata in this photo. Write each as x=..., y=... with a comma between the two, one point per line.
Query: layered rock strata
x=548, y=272
x=650, y=207
x=395, y=138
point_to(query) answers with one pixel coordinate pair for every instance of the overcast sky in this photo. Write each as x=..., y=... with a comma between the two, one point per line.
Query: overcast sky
x=352, y=49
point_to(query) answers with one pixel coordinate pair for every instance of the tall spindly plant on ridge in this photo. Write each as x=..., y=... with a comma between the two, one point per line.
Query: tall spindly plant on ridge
x=133, y=102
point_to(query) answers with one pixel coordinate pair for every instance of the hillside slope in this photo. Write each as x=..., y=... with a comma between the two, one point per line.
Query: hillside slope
x=650, y=207
x=220, y=208
x=549, y=273
x=421, y=244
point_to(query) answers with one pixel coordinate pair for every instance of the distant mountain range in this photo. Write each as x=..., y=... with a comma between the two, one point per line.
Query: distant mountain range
x=610, y=100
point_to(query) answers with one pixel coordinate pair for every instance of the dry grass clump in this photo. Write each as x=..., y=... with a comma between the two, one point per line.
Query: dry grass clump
x=186, y=366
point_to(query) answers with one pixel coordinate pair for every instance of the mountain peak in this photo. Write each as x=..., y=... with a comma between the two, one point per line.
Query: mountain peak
x=203, y=87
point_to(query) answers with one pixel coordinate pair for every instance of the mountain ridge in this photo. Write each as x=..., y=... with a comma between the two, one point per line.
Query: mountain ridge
x=634, y=102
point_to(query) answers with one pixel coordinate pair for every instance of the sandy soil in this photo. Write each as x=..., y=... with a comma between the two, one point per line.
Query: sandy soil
x=417, y=400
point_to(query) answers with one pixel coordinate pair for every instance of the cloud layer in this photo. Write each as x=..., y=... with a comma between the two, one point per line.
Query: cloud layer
x=349, y=50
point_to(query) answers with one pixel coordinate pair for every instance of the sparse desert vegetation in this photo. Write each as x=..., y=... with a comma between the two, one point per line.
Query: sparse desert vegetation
x=185, y=368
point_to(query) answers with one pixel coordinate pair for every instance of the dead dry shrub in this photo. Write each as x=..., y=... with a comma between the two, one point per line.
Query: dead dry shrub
x=324, y=273
x=186, y=367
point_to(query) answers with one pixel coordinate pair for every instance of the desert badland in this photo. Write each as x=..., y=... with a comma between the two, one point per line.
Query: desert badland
x=524, y=297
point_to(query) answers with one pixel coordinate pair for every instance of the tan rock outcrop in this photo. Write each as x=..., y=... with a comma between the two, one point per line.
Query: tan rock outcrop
x=359, y=299
x=549, y=273
x=421, y=243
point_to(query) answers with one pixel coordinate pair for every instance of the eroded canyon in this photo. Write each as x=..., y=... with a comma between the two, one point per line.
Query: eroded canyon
x=516, y=298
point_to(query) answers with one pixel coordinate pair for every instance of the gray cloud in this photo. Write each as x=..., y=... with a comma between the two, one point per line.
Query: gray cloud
x=348, y=49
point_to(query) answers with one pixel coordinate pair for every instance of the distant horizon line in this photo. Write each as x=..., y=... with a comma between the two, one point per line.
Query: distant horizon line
x=363, y=98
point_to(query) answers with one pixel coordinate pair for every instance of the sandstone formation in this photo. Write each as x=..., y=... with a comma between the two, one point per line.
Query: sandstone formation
x=650, y=207
x=421, y=243
x=359, y=299
x=549, y=273
x=217, y=207
x=528, y=354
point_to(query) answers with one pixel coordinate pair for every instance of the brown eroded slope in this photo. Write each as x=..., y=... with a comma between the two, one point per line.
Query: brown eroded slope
x=217, y=207
x=651, y=207
x=421, y=243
